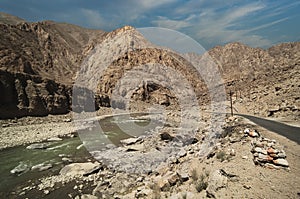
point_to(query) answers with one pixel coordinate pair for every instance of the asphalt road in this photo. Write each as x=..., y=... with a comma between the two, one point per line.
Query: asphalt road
x=290, y=132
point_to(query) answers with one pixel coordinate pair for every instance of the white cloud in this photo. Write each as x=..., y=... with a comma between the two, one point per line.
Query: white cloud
x=149, y=4
x=93, y=18
x=268, y=24
x=212, y=26
x=171, y=24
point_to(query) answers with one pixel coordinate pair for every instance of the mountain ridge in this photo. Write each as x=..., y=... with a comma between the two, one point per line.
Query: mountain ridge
x=34, y=53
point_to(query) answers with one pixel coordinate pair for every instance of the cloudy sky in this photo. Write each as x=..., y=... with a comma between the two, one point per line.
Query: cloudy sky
x=210, y=22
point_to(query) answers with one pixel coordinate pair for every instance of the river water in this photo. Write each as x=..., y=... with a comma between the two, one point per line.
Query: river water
x=56, y=154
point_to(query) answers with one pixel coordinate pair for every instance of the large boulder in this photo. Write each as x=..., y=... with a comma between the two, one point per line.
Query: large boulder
x=81, y=169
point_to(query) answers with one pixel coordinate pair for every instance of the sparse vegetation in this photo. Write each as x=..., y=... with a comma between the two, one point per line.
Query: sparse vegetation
x=156, y=191
x=156, y=195
x=194, y=175
x=201, y=182
x=221, y=156
x=201, y=185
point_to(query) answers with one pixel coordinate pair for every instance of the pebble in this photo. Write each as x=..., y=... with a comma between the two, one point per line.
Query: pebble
x=247, y=186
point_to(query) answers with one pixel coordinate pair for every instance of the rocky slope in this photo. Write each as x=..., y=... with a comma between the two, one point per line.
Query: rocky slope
x=38, y=64
x=10, y=19
x=264, y=82
x=40, y=61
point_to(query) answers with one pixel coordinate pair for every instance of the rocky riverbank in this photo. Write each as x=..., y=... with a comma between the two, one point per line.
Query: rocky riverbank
x=230, y=169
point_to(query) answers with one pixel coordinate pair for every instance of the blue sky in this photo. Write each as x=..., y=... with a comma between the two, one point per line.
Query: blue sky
x=210, y=22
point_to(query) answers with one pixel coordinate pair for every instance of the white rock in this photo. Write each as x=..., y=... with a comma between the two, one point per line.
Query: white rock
x=260, y=150
x=41, y=167
x=88, y=196
x=75, y=169
x=216, y=181
x=130, y=141
x=247, y=130
x=181, y=153
x=53, y=139
x=281, y=162
x=38, y=146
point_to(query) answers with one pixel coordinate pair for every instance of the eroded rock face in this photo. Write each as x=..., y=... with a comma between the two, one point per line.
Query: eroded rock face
x=27, y=95
x=39, y=63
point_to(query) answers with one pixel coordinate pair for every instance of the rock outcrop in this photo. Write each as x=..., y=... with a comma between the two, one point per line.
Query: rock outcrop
x=40, y=61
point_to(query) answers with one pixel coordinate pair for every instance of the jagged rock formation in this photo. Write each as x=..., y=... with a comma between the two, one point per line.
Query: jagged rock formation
x=264, y=82
x=24, y=94
x=39, y=63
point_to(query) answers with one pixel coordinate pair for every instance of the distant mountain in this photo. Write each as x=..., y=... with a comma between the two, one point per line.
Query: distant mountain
x=40, y=61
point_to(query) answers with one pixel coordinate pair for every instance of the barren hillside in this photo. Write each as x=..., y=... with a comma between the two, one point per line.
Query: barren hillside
x=40, y=61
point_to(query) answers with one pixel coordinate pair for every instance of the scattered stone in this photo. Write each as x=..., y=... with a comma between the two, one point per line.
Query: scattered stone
x=245, y=157
x=38, y=146
x=260, y=150
x=267, y=154
x=262, y=158
x=216, y=181
x=166, y=136
x=281, y=162
x=65, y=159
x=271, y=166
x=140, y=179
x=254, y=134
x=232, y=152
x=79, y=146
x=184, y=176
x=173, y=178
x=42, y=167
x=251, y=133
x=143, y=193
x=46, y=192
x=136, y=147
x=53, y=139
x=88, y=196
x=247, y=186
x=131, y=141
x=281, y=154
x=211, y=154
x=172, y=160
x=272, y=151
x=163, y=184
x=181, y=153
x=21, y=168
x=67, y=120
x=5, y=125
x=82, y=169
x=96, y=169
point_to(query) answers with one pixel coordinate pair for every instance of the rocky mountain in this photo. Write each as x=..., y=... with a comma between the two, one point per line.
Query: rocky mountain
x=39, y=63
x=264, y=82
x=10, y=19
